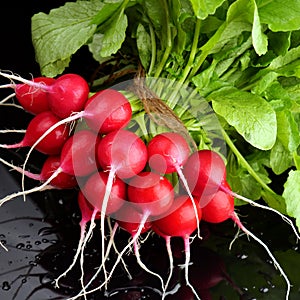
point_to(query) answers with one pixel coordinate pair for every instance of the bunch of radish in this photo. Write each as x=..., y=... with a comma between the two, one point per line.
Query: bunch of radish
x=139, y=185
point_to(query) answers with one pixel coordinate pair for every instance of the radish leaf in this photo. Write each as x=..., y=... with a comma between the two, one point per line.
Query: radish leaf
x=249, y=114
x=291, y=194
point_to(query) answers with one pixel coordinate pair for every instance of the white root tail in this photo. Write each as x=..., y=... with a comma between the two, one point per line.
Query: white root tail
x=186, y=186
x=237, y=221
x=125, y=249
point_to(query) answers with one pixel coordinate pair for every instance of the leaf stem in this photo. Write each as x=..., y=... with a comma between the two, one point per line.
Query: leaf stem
x=153, y=48
x=244, y=162
x=169, y=42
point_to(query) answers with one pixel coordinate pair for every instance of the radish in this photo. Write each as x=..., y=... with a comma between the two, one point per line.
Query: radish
x=149, y=193
x=181, y=222
x=152, y=193
x=32, y=97
x=111, y=109
x=94, y=190
x=220, y=208
x=77, y=158
x=34, y=100
x=123, y=154
x=205, y=172
x=78, y=155
x=50, y=165
x=50, y=144
x=93, y=112
x=167, y=153
x=67, y=93
x=153, y=196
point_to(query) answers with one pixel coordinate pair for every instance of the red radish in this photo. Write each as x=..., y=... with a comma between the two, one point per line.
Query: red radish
x=205, y=172
x=50, y=144
x=34, y=100
x=221, y=208
x=112, y=109
x=94, y=190
x=78, y=155
x=157, y=190
x=123, y=154
x=153, y=195
x=132, y=228
x=50, y=165
x=86, y=215
x=89, y=114
x=77, y=158
x=181, y=222
x=129, y=212
x=167, y=153
x=67, y=94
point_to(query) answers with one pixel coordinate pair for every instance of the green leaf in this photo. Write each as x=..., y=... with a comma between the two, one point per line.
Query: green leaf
x=204, y=8
x=291, y=195
x=287, y=131
x=259, y=39
x=280, y=158
x=58, y=35
x=143, y=42
x=114, y=36
x=280, y=15
x=249, y=114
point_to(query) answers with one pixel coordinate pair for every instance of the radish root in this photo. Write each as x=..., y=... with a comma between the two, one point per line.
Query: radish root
x=125, y=249
x=237, y=221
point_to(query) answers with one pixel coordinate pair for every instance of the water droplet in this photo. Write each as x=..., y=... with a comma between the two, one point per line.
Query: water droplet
x=264, y=290
x=24, y=280
x=2, y=236
x=46, y=279
x=45, y=231
x=242, y=256
x=5, y=286
x=32, y=263
x=20, y=246
x=28, y=246
x=24, y=236
x=37, y=243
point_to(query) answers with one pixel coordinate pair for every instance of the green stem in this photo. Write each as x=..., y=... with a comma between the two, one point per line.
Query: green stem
x=169, y=42
x=188, y=67
x=193, y=52
x=206, y=49
x=244, y=162
x=153, y=49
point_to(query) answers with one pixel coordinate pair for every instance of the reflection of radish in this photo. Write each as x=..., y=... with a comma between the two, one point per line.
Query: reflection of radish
x=208, y=271
x=181, y=222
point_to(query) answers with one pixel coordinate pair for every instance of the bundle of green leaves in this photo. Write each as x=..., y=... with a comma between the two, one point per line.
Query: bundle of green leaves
x=242, y=56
